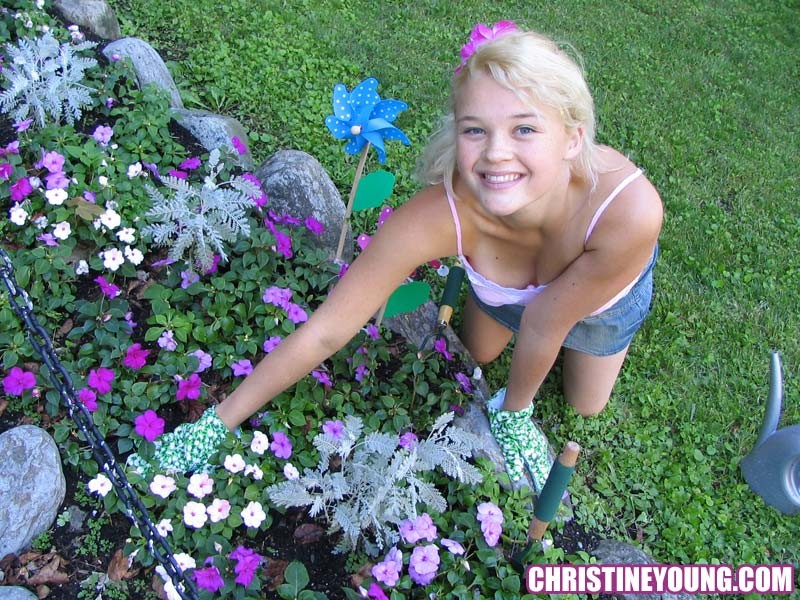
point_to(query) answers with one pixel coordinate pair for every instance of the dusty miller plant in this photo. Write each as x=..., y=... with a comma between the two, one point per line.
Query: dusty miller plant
x=378, y=483
x=196, y=222
x=45, y=79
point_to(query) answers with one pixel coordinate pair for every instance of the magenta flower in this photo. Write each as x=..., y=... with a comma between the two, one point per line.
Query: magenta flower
x=372, y=332
x=17, y=381
x=283, y=244
x=6, y=170
x=322, y=377
x=482, y=34
x=100, y=380
x=421, y=528
x=386, y=212
x=247, y=561
x=238, y=145
x=281, y=446
x=178, y=174
x=376, y=592
x=423, y=564
x=333, y=429
x=149, y=425
x=189, y=389
x=190, y=164
x=102, y=134
x=135, y=357
x=20, y=190
x=208, y=579
x=21, y=126
x=440, y=345
x=363, y=240
x=296, y=314
x=342, y=270
x=88, y=398
x=262, y=199
x=314, y=226
x=242, y=368
x=272, y=343
x=214, y=264
x=12, y=148
x=408, y=440
x=464, y=382
x=361, y=372
x=109, y=290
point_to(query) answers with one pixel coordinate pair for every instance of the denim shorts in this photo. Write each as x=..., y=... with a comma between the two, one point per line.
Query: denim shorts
x=602, y=334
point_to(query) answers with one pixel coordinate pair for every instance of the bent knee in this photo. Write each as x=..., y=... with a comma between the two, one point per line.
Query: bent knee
x=588, y=406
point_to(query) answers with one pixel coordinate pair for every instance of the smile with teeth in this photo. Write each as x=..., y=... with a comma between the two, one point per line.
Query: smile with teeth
x=507, y=178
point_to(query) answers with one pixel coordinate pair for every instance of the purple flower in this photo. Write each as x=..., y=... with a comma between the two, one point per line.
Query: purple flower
x=100, y=380
x=277, y=296
x=440, y=345
x=190, y=164
x=102, y=134
x=314, y=226
x=272, y=343
x=53, y=162
x=48, y=239
x=109, y=289
x=333, y=429
x=88, y=398
x=238, y=145
x=204, y=360
x=453, y=546
x=387, y=572
x=17, y=381
x=12, y=148
x=135, y=357
x=421, y=528
x=376, y=592
x=423, y=564
x=6, y=170
x=89, y=196
x=372, y=332
x=281, y=446
x=129, y=320
x=242, y=368
x=408, y=440
x=247, y=561
x=457, y=409
x=491, y=519
x=262, y=199
x=363, y=240
x=20, y=190
x=283, y=244
x=342, y=270
x=149, y=425
x=188, y=278
x=189, y=389
x=361, y=372
x=322, y=377
x=208, y=579
x=21, y=126
x=57, y=180
x=464, y=382
x=296, y=314
x=214, y=264
x=167, y=341
x=178, y=174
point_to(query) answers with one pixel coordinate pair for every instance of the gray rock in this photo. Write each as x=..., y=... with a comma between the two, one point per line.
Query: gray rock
x=214, y=131
x=616, y=552
x=32, y=486
x=297, y=184
x=148, y=66
x=94, y=16
x=16, y=593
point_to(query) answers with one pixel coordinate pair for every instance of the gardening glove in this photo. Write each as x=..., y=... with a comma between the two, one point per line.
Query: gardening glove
x=522, y=443
x=187, y=448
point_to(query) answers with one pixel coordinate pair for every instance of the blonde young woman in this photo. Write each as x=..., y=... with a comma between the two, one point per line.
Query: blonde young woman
x=557, y=234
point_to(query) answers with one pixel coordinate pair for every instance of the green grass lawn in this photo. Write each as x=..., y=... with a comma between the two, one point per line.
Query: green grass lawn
x=702, y=95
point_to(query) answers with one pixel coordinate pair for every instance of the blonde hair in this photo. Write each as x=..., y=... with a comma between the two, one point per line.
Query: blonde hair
x=540, y=72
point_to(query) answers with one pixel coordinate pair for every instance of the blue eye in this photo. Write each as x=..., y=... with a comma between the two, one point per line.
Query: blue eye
x=525, y=130
x=472, y=131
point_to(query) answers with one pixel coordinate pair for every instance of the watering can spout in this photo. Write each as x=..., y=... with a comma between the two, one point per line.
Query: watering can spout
x=772, y=468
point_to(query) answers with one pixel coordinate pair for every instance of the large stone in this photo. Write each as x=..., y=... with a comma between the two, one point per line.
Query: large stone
x=32, y=486
x=147, y=64
x=214, y=131
x=16, y=593
x=298, y=185
x=93, y=16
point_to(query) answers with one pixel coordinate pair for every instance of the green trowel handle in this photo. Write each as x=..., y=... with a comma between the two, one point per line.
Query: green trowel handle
x=450, y=295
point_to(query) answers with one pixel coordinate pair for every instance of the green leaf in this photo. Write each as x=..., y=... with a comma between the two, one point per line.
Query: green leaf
x=373, y=190
x=407, y=297
x=296, y=578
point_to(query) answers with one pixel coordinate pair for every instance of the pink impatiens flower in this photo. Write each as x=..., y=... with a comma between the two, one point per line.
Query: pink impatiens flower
x=149, y=425
x=253, y=514
x=333, y=429
x=100, y=380
x=219, y=510
x=189, y=389
x=200, y=485
x=194, y=514
x=20, y=190
x=88, y=398
x=17, y=381
x=247, y=561
x=163, y=485
x=423, y=564
x=190, y=164
x=135, y=357
x=272, y=343
x=242, y=368
x=491, y=519
x=296, y=314
x=109, y=290
x=314, y=226
x=208, y=578
x=281, y=446
x=421, y=528
x=102, y=134
x=322, y=377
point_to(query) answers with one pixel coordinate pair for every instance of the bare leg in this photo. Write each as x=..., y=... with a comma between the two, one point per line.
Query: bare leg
x=589, y=380
x=484, y=337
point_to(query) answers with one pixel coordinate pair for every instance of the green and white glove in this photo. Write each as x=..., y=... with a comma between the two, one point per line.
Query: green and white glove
x=185, y=449
x=523, y=444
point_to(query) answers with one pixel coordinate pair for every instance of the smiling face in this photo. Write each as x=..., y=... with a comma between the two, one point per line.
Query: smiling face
x=510, y=153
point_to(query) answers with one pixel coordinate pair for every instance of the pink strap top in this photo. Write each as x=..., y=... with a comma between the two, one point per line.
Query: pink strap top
x=497, y=295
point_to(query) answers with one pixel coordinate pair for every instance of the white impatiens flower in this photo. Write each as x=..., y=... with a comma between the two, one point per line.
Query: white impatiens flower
x=219, y=510
x=290, y=471
x=134, y=255
x=253, y=514
x=110, y=219
x=127, y=235
x=103, y=181
x=41, y=222
x=134, y=170
x=200, y=485
x=170, y=591
x=82, y=268
x=184, y=561
x=112, y=259
x=162, y=485
x=62, y=230
x=260, y=443
x=194, y=514
x=100, y=485
x=254, y=471
x=56, y=196
x=234, y=463
x=164, y=526
x=18, y=215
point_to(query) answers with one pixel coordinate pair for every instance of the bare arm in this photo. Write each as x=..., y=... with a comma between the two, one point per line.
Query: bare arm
x=416, y=233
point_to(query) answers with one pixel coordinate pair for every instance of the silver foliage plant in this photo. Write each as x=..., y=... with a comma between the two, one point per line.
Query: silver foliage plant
x=378, y=483
x=196, y=222
x=44, y=79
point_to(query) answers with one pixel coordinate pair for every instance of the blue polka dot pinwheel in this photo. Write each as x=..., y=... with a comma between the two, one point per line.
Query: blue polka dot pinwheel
x=365, y=120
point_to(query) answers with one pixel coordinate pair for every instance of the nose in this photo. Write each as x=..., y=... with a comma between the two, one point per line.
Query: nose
x=498, y=148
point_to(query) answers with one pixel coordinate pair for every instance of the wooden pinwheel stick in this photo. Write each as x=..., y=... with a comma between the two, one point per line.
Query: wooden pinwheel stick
x=553, y=490
x=349, y=211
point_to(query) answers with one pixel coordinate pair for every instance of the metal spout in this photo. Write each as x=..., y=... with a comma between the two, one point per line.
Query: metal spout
x=774, y=400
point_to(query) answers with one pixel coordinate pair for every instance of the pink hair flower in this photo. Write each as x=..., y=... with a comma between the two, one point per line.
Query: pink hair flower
x=481, y=34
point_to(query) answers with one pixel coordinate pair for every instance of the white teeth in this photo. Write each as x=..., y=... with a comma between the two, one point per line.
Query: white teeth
x=501, y=178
